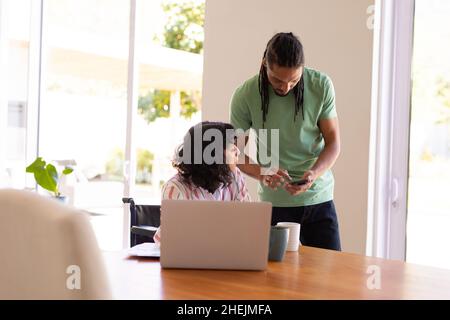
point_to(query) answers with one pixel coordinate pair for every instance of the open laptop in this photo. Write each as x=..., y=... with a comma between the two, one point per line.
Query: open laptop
x=215, y=234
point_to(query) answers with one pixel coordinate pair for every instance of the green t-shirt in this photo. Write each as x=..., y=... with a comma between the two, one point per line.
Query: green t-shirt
x=300, y=141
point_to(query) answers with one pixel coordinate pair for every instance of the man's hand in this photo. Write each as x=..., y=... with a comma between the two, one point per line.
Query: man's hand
x=295, y=190
x=275, y=178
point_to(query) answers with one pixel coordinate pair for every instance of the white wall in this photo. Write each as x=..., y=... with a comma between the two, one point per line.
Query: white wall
x=3, y=92
x=336, y=41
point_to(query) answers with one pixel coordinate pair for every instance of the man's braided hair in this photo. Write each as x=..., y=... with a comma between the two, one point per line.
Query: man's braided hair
x=284, y=50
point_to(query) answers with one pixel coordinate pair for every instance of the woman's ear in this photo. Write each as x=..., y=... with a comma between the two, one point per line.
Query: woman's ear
x=264, y=62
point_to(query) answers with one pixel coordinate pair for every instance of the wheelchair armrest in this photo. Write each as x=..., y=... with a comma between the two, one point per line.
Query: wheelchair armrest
x=146, y=231
x=128, y=200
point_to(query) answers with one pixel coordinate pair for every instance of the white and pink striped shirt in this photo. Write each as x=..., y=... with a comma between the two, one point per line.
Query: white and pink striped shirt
x=176, y=189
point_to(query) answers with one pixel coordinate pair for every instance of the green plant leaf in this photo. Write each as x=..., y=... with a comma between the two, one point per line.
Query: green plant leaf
x=46, y=180
x=37, y=165
x=45, y=175
x=52, y=172
x=67, y=170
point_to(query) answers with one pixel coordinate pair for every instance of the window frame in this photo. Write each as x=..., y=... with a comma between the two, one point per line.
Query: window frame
x=389, y=136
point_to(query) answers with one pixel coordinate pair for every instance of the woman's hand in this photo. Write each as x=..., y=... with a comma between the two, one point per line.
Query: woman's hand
x=157, y=236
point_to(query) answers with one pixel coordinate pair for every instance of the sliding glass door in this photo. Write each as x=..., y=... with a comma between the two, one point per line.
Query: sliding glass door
x=83, y=105
x=108, y=87
x=411, y=171
x=428, y=216
x=14, y=105
x=169, y=46
x=83, y=96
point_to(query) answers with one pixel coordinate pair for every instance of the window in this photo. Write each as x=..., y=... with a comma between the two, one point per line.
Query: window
x=428, y=219
x=68, y=92
x=83, y=99
x=17, y=40
x=170, y=46
x=411, y=148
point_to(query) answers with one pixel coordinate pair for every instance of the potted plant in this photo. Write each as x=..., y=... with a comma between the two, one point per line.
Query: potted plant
x=47, y=176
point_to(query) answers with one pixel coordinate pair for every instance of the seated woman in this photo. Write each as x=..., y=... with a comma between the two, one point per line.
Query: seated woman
x=216, y=177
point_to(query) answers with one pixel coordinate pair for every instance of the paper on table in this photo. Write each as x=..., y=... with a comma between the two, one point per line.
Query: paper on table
x=147, y=249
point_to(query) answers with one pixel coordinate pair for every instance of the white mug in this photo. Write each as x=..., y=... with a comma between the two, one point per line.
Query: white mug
x=294, y=235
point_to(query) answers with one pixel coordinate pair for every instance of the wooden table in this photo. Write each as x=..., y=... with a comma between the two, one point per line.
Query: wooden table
x=310, y=273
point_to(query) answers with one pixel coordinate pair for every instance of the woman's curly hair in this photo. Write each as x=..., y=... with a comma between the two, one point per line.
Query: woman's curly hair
x=194, y=169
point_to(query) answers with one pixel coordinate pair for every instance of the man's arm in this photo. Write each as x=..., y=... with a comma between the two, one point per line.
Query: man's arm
x=327, y=158
x=254, y=170
x=251, y=169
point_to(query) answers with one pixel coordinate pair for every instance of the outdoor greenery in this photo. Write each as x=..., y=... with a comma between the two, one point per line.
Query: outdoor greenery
x=184, y=27
x=183, y=31
x=114, y=166
x=144, y=167
x=443, y=92
x=155, y=104
x=144, y=161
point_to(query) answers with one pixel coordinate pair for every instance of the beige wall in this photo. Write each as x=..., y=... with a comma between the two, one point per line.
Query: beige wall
x=336, y=41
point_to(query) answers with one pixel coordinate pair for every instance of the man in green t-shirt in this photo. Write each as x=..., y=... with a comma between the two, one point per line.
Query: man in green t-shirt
x=299, y=103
